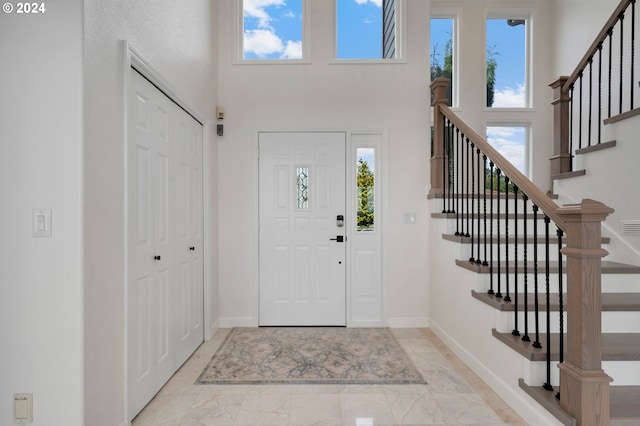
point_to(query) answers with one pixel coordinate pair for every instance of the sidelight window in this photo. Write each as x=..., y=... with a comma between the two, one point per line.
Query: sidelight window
x=365, y=182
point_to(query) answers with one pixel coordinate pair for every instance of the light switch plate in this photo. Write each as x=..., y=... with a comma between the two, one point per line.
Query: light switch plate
x=23, y=408
x=41, y=220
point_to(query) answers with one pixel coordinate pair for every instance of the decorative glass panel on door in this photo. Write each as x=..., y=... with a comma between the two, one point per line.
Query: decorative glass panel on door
x=302, y=187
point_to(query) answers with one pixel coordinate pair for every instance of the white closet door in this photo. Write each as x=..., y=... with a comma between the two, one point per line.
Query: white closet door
x=151, y=360
x=165, y=285
x=188, y=295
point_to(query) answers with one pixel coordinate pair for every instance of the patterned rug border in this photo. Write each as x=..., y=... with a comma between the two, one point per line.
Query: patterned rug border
x=292, y=381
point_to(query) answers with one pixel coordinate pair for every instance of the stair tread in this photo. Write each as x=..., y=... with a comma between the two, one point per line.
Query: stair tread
x=493, y=239
x=615, y=346
x=624, y=407
x=608, y=267
x=611, y=302
x=568, y=175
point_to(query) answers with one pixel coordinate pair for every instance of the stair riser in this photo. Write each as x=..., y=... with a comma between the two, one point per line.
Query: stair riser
x=611, y=283
x=623, y=373
x=620, y=283
x=479, y=204
x=484, y=284
x=465, y=251
x=612, y=322
x=509, y=225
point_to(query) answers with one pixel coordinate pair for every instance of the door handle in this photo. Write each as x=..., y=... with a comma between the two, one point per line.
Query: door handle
x=339, y=239
x=192, y=248
x=156, y=257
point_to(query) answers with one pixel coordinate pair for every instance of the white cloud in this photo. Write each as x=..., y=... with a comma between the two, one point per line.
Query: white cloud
x=375, y=2
x=293, y=50
x=255, y=9
x=369, y=20
x=289, y=14
x=262, y=42
x=510, y=98
x=508, y=141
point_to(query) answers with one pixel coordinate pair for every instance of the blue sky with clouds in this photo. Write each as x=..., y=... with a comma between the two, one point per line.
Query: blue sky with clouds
x=508, y=44
x=273, y=29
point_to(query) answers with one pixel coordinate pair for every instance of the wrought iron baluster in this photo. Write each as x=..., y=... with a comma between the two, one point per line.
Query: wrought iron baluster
x=499, y=273
x=473, y=190
x=560, y=233
x=610, y=35
x=507, y=297
x=600, y=92
x=536, y=343
x=491, y=171
x=445, y=181
x=526, y=337
x=515, y=331
x=580, y=112
x=484, y=218
x=449, y=175
x=458, y=185
x=621, y=18
x=468, y=213
x=571, y=132
x=633, y=52
x=478, y=196
x=590, y=101
x=547, y=385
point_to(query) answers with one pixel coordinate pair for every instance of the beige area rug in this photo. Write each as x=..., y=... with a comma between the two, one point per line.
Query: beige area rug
x=309, y=355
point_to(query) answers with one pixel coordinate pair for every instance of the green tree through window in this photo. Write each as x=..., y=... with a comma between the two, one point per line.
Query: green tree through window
x=365, y=183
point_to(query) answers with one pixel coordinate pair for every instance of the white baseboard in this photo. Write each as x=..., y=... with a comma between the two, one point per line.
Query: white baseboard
x=231, y=322
x=365, y=324
x=527, y=408
x=211, y=331
x=411, y=322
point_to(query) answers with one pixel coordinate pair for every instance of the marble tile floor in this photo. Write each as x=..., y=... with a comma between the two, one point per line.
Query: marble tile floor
x=453, y=395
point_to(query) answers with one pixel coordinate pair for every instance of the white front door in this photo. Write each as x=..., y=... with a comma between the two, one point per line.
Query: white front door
x=302, y=239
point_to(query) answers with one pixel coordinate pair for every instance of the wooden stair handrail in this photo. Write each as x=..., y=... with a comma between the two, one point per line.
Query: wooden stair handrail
x=600, y=38
x=537, y=196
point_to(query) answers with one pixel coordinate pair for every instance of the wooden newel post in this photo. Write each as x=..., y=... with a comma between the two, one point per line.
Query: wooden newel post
x=584, y=386
x=438, y=160
x=561, y=159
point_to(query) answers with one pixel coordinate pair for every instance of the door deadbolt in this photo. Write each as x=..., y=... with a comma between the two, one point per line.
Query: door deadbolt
x=340, y=221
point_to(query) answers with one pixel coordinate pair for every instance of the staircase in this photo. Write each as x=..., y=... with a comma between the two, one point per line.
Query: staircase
x=524, y=290
x=620, y=320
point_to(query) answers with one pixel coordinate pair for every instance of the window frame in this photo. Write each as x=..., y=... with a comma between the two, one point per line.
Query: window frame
x=238, y=38
x=528, y=16
x=401, y=37
x=454, y=15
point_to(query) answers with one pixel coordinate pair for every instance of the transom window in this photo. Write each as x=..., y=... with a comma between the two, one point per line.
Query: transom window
x=367, y=29
x=272, y=29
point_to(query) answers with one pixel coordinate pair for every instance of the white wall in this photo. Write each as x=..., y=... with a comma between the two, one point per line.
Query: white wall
x=178, y=38
x=576, y=23
x=323, y=96
x=41, y=167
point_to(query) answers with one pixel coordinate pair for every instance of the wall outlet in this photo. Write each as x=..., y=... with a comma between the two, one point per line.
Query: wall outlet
x=22, y=408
